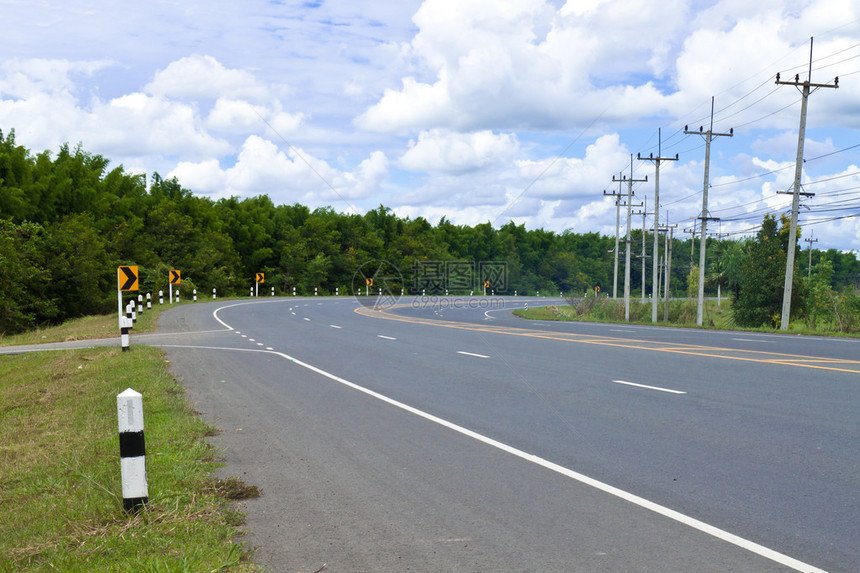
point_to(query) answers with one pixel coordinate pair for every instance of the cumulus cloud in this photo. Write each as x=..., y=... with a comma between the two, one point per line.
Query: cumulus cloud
x=204, y=77
x=286, y=176
x=447, y=152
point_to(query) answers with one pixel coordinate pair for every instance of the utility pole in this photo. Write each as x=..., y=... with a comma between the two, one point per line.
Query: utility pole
x=810, y=240
x=654, y=279
x=709, y=135
x=617, y=224
x=644, y=255
x=630, y=181
x=798, y=168
x=666, y=291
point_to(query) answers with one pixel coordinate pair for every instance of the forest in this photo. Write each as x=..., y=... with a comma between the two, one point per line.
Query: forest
x=68, y=221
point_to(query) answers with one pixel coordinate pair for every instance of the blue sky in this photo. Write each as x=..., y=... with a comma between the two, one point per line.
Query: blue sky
x=477, y=111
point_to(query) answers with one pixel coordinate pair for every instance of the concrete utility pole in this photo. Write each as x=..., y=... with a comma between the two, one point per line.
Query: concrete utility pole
x=709, y=135
x=654, y=279
x=644, y=255
x=798, y=168
x=666, y=291
x=617, y=225
x=810, y=240
x=629, y=181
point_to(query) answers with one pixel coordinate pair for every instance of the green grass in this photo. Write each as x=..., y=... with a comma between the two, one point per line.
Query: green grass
x=60, y=489
x=682, y=313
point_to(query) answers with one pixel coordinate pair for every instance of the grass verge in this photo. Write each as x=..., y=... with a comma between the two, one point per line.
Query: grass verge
x=60, y=489
x=682, y=313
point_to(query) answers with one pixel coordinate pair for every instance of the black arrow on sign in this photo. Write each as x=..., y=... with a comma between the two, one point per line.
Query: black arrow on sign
x=174, y=277
x=130, y=278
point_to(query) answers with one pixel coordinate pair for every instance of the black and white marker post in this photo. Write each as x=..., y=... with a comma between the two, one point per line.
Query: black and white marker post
x=124, y=339
x=132, y=449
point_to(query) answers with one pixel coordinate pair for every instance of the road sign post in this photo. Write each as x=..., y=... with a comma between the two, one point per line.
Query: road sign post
x=126, y=279
x=174, y=278
x=260, y=278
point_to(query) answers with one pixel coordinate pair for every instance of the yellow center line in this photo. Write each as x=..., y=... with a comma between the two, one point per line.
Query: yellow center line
x=759, y=356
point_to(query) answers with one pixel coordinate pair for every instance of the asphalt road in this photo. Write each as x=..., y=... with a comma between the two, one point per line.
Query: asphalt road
x=452, y=436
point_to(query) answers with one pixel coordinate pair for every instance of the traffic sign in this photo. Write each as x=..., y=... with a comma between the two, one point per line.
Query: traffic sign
x=369, y=281
x=261, y=278
x=175, y=277
x=597, y=288
x=127, y=278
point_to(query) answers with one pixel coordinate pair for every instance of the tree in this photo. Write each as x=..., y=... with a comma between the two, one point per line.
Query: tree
x=758, y=298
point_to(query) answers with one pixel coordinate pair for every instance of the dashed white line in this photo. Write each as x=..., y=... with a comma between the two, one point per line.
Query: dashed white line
x=472, y=354
x=335, y=326
x=306, y=318
x=385, y=337
x=649, y=387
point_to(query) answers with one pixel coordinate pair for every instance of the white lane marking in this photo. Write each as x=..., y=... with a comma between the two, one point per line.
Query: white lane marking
x=244, y=336
x=259, y=344
x=472, y=354
x=752, y=340
x=294, y=314
x=621, y=330
x=488, y=316
x=649, y=387
x=306, y=318
x=251, y=340
x=335, y=326
x=269, y=348
x=691, y=522
x=385, y=337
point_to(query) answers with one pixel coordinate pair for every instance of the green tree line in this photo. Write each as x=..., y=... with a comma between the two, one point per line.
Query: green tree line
x=67, y=221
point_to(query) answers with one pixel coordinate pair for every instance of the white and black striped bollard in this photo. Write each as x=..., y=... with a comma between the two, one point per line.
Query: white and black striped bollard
x=252, y=291
x=129, y=321
x=177, y=295
x=149, y=301
x=214, y=294
x=336, y=291
x=161, y=297
x=132, y=449
x=315, y=291
x=273, y=291
x=123, y=336
x=195, y=295
x=294, y=291
x=140, y=304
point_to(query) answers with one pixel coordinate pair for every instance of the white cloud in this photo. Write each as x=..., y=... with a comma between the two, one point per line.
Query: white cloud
x=447, y=152
x=287, y=177
x=205, y=77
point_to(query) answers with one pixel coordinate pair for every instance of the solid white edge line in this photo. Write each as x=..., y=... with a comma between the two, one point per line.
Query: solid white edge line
x=649, y=387
x=472, y=354
x=692, y=522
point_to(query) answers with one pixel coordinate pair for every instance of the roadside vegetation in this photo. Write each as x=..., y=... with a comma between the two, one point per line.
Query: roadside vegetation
x=67, y=221
x=682, y=313
x=60, y=486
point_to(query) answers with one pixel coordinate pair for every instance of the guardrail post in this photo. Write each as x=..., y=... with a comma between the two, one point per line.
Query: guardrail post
x=132, y=449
